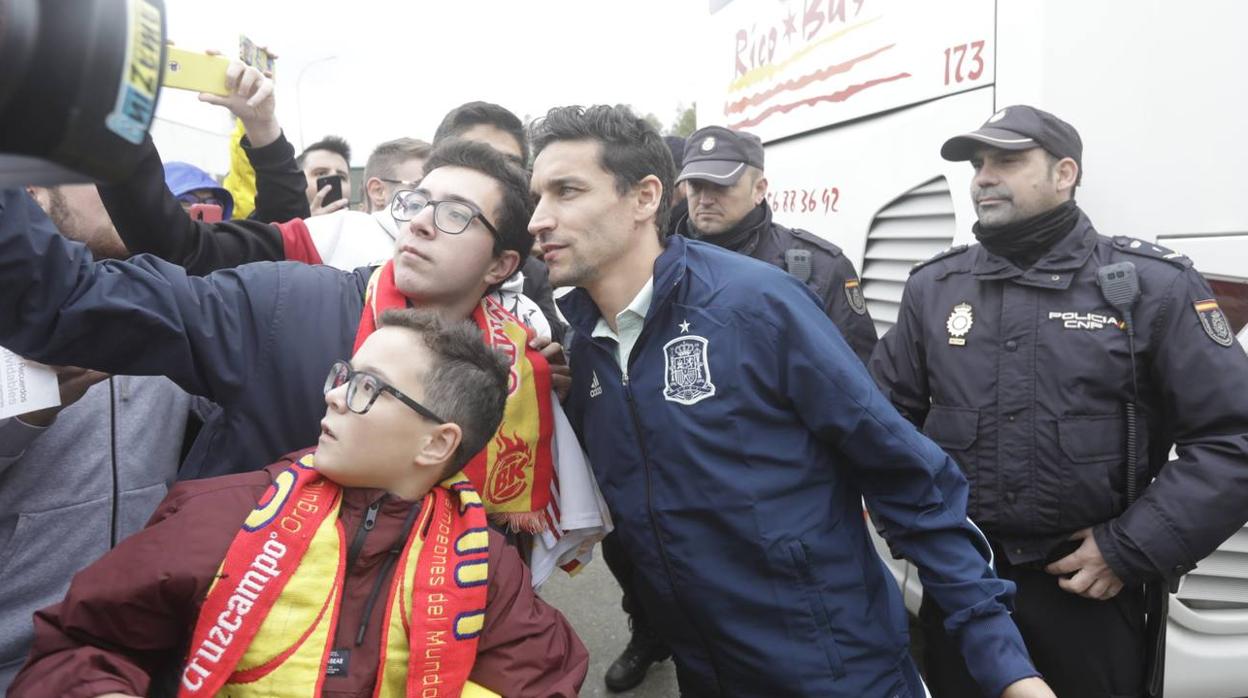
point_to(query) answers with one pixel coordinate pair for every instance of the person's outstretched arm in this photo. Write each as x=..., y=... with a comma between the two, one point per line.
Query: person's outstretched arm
x=150, y=220
x=139, y=317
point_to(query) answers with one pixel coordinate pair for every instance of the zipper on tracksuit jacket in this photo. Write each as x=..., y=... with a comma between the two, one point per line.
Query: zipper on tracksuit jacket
x=645, y=462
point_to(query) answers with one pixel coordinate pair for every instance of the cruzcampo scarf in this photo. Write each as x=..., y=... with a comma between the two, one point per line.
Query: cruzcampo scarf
x=267, y=625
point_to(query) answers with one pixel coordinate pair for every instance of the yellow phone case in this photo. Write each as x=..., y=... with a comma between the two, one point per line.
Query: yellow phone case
x=198, y=72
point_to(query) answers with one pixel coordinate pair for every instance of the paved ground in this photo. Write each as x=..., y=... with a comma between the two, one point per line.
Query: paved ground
x=591, y=602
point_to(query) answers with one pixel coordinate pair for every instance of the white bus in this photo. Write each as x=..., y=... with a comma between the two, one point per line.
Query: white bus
x=853, y=99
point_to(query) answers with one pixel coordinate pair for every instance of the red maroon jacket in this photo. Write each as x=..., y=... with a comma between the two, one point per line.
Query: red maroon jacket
x=128, y=617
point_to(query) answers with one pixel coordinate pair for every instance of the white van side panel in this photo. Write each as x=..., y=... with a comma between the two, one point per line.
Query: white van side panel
x=1157, y=91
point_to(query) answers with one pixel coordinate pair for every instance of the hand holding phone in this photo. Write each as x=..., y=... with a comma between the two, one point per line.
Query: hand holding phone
x=334, y=182
x=197, y=72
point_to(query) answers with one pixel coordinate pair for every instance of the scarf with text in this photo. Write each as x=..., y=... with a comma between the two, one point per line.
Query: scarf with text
x=515, y=471
x=268, y=623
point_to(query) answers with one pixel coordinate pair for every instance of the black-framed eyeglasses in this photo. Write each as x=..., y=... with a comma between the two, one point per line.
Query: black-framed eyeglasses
x=364, y=388
x=451, y=217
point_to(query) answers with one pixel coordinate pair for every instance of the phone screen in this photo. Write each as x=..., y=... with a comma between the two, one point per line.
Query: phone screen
x=334, y=182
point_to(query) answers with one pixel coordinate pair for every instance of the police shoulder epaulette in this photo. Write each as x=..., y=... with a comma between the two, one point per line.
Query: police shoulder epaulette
x=952, y=251
x=807, y=236
x=1145, y=248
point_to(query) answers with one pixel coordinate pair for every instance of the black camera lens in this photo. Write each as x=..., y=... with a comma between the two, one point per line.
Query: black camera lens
x=79, y=89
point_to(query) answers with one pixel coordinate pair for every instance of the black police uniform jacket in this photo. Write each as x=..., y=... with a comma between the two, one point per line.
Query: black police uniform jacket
x=1023, y=377
x=832, y=276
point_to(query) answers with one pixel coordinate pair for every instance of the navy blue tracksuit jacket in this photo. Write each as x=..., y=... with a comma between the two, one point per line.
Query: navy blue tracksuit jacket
x=735, y=455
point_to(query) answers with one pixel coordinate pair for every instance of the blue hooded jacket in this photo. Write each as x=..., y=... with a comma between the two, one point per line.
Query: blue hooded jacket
x=735, y=456
x=182, y=177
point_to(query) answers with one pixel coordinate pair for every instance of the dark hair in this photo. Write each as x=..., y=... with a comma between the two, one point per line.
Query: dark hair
x=467, y=382
x=465, y=116
x=513, y=181
x=676, y=145
x=387, y=157
x=631, y=149
x=333, y=144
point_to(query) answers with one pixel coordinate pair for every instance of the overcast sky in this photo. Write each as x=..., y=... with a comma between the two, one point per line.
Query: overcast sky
x=372, y=70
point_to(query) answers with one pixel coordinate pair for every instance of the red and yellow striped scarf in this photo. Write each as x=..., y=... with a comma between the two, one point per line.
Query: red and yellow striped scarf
x=268, y=623
x=515, y=471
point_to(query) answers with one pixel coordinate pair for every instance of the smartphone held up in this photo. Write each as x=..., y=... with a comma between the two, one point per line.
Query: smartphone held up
x=334, y=182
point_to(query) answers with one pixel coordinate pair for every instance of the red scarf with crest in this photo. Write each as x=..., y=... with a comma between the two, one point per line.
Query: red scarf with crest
x=515, y=472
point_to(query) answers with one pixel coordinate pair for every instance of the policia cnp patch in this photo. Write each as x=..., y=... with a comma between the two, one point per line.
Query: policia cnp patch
x=1214, y=321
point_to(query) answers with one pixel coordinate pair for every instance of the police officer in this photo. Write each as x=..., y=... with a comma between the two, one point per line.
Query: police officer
x=1061, y=397
x=726, y=188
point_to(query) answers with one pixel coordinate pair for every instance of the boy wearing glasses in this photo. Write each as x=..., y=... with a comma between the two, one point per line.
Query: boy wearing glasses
x=363, y=562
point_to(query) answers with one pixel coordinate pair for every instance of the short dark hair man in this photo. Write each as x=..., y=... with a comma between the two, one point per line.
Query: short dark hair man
x=726, y=191
x=1052, y=390
x=734, y=434
x=488, y=123
x=328, y=157
x=418, y=399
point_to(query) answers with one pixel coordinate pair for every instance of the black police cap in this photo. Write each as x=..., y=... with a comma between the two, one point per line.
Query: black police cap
x=719, y=155
x=1019, y=127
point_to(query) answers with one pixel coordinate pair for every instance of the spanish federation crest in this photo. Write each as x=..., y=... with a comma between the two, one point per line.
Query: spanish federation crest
x=853, y=295
x=959, y=323
x=687, y=373
x=1214, y=322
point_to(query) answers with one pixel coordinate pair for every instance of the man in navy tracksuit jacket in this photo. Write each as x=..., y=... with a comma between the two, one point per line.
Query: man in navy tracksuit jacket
x=734, y=434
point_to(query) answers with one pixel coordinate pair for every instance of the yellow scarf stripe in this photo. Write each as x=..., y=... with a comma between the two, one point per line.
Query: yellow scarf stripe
x=303, y=621
x=392, y=682
x=428, y=639
x=471, y=573
x=474, y=541
x=469, y=624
